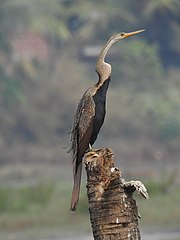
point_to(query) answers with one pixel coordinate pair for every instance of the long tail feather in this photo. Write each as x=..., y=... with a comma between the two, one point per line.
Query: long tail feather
x=76, y=188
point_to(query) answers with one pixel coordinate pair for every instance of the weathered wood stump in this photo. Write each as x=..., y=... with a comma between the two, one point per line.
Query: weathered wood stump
x=113, y=211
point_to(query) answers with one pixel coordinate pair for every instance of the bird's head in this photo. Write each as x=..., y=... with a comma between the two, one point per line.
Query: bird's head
x=118, y=36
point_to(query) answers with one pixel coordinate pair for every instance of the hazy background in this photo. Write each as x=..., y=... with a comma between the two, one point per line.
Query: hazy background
x=48, y=53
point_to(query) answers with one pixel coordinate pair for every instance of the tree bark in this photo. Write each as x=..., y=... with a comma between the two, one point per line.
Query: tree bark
x=113, y=211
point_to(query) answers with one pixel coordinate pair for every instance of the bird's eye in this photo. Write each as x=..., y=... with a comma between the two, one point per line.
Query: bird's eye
x=122, y=34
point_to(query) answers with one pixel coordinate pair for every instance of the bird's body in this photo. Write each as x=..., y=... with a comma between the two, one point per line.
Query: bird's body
x=90, y=115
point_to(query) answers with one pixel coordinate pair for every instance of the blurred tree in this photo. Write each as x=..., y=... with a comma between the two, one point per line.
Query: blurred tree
x=139, y=62
x=9, y=89
x=160, y=17
x=11, y=18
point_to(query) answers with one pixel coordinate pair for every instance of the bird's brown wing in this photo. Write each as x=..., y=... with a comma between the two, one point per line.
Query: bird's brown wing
x=87, y=115
x=80, y=137
x=82, y=122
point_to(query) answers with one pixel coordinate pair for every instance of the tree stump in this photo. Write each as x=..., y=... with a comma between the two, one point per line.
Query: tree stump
x=113, y=211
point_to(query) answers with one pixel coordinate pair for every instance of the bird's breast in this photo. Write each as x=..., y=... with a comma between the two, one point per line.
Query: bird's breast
x=100, y=95
x=99, y=99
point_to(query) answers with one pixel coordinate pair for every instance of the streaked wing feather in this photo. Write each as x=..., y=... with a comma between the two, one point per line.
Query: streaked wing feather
x=84, y=114
x=87, y=113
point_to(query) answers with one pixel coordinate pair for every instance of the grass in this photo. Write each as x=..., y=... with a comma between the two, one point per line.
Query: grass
x=44, y=207
x=26, y=199
x=161, y=209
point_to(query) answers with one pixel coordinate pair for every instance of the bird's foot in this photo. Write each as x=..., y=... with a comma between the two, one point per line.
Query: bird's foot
x=90, y=148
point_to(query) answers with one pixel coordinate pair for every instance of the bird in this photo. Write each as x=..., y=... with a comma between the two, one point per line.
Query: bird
x=90, y=115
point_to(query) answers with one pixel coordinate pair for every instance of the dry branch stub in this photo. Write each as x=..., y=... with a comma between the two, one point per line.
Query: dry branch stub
x=113, y=211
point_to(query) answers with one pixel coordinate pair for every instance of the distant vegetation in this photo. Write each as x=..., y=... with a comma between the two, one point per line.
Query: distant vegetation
x=25, y=199
x=45, y=207
x=39, y=97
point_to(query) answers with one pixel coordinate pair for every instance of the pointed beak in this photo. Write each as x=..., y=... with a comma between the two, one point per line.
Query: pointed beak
x=132, y=33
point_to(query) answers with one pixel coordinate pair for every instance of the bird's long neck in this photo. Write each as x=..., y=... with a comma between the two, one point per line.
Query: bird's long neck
x=103, y=69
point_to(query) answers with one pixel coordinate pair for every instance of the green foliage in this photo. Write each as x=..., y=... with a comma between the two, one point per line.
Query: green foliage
x=162, y=6
x=160, y=208
x=139, y=62
x=166, y=121
x=25, y=199
x=10, y=89
x=155, y=187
